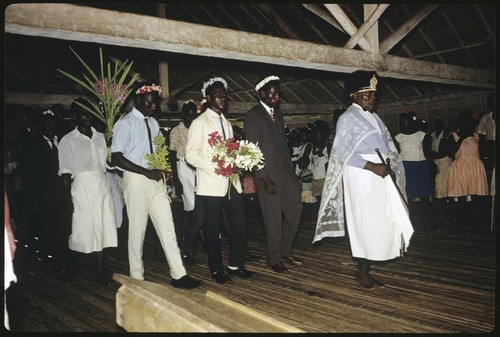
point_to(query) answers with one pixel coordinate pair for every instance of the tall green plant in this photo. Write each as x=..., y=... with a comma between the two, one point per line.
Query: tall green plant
x=110, y=89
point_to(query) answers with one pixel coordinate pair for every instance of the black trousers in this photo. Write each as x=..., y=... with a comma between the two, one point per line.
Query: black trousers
x=213, y=208
x=193, y=222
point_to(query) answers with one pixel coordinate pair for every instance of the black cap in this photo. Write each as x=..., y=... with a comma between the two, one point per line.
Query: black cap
x=360, y=81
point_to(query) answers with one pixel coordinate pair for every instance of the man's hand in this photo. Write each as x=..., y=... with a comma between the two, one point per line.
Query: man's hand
x=270, y=186
x=155, y=174
x=379, y=169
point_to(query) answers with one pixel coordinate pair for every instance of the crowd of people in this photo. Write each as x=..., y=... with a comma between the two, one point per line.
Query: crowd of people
x=356, y=178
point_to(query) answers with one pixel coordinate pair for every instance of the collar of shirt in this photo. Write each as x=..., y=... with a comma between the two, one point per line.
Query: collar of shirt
x=268, y=108
x=49, y=140
x=137, y=113
x=215, y=114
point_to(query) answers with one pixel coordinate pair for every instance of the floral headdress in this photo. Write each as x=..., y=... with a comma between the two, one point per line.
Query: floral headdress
x=148, y=88
x=265, y=81
x=48, y=113
x=200, y=105
x=210, y=82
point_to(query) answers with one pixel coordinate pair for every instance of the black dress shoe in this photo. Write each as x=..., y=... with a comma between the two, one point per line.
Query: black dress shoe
x=186, y=282
x=293, y=260
x=241, y=272
x=279, y=268
x=190, y=261
x=221, y=277
x=251, y=257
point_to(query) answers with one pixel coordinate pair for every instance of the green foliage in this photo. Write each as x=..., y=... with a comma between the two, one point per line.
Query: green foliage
x=109, y=89
x=159, y=158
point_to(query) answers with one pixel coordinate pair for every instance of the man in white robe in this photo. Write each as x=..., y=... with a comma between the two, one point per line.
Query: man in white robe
x=359, y=183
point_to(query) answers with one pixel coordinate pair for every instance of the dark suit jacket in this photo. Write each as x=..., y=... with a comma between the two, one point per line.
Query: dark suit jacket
x=259, y=128
x=44, y=185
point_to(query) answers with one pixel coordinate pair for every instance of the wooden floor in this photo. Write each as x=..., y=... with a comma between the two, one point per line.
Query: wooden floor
x=445, y=284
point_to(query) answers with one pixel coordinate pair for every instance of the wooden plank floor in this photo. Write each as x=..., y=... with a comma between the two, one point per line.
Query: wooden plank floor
x=444, y=284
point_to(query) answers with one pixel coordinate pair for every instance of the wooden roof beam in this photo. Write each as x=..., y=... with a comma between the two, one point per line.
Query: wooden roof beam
x=72, y=22
x=373, y=18
x=407, y=27
x=318, y=11
x=347, y=24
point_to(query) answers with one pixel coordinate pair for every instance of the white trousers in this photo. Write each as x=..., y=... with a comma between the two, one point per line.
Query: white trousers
x=187, y=177
x=145, y=197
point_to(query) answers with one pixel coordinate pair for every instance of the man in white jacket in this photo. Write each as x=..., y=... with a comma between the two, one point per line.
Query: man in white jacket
x=216, y=193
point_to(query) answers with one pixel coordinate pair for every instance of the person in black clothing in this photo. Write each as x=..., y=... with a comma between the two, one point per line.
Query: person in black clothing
x=44, y=189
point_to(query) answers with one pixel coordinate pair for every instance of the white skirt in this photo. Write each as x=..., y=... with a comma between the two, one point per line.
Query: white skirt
x=93, y=225
x=377, y=219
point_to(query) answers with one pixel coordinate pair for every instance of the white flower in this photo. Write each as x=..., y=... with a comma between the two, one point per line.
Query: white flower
x=210, y=82
x=266, y=80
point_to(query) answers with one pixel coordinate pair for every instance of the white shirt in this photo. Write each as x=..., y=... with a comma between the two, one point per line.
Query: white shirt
x=78, y=153
x=436, y=140
x=319, y=166
x=178, y=140
x=487, y=126
x=412, y=148
x=130, y=136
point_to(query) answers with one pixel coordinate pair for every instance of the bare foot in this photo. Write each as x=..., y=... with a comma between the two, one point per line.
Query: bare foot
x=365, y=281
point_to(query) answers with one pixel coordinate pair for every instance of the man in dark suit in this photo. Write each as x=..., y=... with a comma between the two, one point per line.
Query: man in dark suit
x=44, y=188
x=278, y=187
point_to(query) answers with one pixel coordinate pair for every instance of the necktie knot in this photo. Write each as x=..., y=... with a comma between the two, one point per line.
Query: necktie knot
x=53, y=146
x=52, y=143
x=271, y=114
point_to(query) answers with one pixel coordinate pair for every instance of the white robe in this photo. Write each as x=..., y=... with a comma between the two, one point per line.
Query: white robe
x=376, y=217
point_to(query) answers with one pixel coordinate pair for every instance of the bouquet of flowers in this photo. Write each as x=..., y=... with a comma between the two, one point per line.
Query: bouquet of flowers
x=232, y=158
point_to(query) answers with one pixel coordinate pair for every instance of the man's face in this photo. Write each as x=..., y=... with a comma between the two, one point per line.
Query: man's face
x=49, y=128
x=189, y=116
x=83, y=118
x=271, y=97
x=148, y=103
x=217, y=98
x=366, y=100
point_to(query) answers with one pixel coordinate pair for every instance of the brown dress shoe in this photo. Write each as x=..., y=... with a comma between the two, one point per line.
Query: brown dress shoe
x=293, y=260
x=279, y=268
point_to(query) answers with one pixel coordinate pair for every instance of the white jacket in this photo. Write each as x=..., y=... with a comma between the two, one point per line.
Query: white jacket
x=208, y=183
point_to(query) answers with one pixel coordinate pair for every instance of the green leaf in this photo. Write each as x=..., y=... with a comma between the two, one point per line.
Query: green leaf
x=116, y=78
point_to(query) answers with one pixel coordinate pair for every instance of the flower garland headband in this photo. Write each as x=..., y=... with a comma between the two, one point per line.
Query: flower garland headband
x=265, y=81
x=148, y=88
x=48, y=112
x=210, y=82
